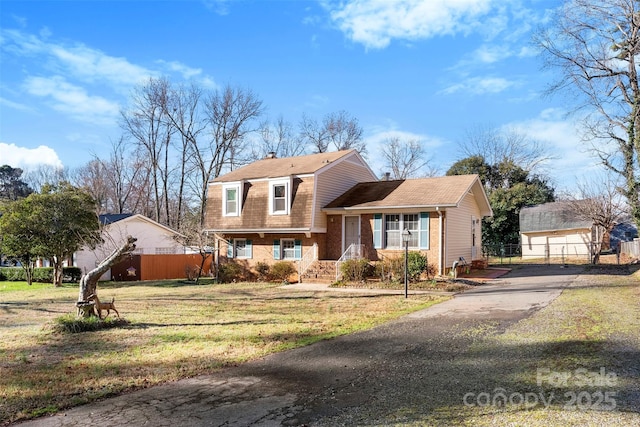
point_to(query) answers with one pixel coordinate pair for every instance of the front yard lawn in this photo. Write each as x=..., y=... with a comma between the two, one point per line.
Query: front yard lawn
x=174, y=331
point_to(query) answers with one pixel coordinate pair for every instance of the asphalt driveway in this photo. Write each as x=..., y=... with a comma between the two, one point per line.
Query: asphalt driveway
x=358, y=379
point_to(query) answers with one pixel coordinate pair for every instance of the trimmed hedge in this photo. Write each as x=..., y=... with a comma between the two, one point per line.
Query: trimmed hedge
x=40, y=274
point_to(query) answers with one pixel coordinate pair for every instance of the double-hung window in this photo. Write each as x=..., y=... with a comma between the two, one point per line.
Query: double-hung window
x=387, y=230
x=279, y=197
x=412, y=223
x=287, y=249
x=393, y=230
x=231, y=200
x=239, y=248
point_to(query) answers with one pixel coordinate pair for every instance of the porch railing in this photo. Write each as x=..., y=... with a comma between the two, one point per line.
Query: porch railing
x=309, y=257
x=354, y=251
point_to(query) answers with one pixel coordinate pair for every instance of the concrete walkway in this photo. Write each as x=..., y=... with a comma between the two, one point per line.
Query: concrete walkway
x=341, y=381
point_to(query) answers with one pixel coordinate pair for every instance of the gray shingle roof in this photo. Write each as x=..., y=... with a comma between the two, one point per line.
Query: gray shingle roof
x=550, y=217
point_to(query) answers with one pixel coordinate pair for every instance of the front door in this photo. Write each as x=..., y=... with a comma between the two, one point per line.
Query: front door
x=351, y=232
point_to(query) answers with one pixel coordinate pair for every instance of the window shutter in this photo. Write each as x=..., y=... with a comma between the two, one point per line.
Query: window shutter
x=249, y=249
x=424, y=230
x=298, y=249
x=276, y=249
x=230, y=249
x=377, y=231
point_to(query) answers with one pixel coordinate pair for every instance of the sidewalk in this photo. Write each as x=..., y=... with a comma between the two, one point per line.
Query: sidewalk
x=483, y=276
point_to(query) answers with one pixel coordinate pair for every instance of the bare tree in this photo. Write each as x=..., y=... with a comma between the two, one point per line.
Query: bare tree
x=45, y=175
x=146, y=123
x=338, y=131
x=405, y=158
x=184, y=111
x=279, y=138
x=128, y=179
x=315, y=135
x=600, y=202
x=119, y=183
x=497, y=146
x=344, y=131
x=93, y=179
x=230, y=115
x=192, y=235
x=594, y=44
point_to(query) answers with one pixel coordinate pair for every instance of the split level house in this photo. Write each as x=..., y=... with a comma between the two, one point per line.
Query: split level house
x=323, y=207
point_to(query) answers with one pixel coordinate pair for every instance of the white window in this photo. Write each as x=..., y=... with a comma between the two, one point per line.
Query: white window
x=393, y=229
x=288, y=249
x=239, y=248
x=231, y=200
x=279, y=198
x=395, y=225
x=412, y=223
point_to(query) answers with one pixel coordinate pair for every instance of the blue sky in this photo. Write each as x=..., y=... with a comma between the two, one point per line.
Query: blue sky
x=428, y=70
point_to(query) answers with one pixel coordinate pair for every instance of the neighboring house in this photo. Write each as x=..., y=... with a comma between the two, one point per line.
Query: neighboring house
x=553, y=230
x=624, y=231
x=318, y=206
x=153, y=238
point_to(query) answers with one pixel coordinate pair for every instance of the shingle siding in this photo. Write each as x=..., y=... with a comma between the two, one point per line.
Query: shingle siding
x=255, y=207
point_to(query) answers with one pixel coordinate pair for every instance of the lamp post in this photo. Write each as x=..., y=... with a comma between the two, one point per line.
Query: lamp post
x=406, y=236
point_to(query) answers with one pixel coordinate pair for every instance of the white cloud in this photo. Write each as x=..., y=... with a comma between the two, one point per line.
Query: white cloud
x=186, y=71
x=14, y=105
x=374, y=23
x=571, y=156
x=28, y=158
x=77, y=61
x=489, y=54
x=220, y=7
x=90, y=67
x=380, y=136
x=94, y=65
x=480, y=86
x=316, y=102
x=73, y=100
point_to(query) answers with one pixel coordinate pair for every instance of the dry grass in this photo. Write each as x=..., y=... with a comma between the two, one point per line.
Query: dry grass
x=174, y=331
x=591, y=329
x=479, y=372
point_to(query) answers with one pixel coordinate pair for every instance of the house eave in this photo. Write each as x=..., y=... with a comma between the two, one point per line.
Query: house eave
x=555, y=230
x=368, y=209
x=263, y=231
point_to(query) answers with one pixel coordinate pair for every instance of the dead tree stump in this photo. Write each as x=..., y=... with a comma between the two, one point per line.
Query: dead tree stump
x=89, y=282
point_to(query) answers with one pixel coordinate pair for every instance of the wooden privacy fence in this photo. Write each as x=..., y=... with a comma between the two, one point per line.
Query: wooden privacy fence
x=159, y=267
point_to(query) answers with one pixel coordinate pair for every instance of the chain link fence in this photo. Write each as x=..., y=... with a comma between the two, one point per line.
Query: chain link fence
x=557, y=253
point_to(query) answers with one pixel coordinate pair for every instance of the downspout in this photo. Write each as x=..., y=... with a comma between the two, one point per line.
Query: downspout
x=440, y=246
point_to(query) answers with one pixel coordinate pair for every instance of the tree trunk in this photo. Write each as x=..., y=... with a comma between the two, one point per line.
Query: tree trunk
x=89, y=281
x=57, y=271
x=203, y=258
